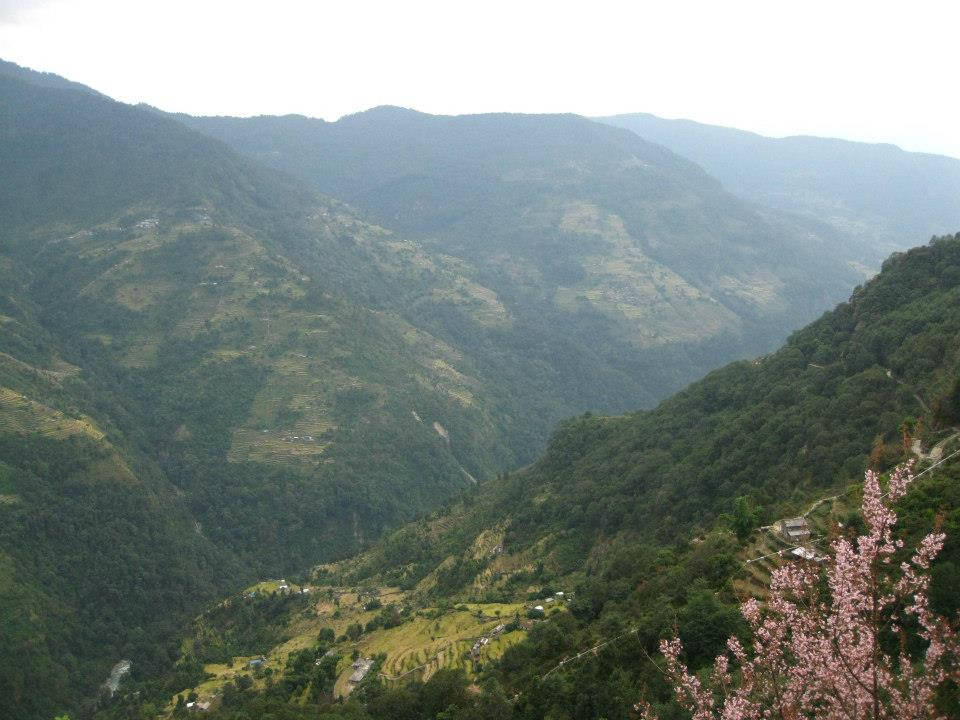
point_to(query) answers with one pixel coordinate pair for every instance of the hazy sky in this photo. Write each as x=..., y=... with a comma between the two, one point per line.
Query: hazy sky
x=877, y=71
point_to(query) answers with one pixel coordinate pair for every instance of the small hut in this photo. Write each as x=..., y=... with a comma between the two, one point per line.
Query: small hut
x=794, y=530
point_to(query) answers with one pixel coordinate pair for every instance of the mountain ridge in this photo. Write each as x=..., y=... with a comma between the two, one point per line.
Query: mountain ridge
x=278, y=378
x=868, y=192
x=521, y=167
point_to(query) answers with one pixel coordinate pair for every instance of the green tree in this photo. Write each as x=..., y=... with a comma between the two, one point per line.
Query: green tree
x=744, y=517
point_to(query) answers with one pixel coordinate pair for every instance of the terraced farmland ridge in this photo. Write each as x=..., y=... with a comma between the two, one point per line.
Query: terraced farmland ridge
x=372, y=634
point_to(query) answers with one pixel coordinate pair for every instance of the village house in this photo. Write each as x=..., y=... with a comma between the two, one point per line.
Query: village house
x=360, y=669
x=806, y=554
x=478, y=646
x=793, y=530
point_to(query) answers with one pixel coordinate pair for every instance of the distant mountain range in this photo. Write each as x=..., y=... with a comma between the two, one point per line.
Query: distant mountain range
x=877, y=196
x=572, y=220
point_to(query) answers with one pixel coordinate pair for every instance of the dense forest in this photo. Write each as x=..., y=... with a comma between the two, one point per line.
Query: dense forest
x=804, y=419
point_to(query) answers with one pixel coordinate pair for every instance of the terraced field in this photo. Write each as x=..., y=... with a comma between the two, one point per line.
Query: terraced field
x=766, y=550
x=661, y=306
x=21, y=415
x=417, y=649
x=426, y=641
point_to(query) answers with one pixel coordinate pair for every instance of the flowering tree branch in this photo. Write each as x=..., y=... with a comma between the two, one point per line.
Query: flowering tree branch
x=820, y=654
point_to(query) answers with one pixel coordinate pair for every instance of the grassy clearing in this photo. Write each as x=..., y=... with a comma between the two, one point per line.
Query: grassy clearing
x=138, y=296
x=142, y=353
x=266, y=587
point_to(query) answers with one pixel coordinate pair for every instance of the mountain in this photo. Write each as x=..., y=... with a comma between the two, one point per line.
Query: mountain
x=203, y=374
x=877, y=196
x=627, y=529
x=575, y=225
x=779, y=429
x=211, y=372
x=44, y=79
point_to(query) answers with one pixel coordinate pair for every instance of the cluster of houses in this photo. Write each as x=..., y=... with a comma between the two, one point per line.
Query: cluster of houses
x=282, y=587
x=198, y=705
x=483, y=641
x=298, y=438
x=793, y=530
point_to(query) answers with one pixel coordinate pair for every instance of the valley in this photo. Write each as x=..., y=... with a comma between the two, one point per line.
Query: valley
x=609, y=581
x=498, y=400
x=866, y=194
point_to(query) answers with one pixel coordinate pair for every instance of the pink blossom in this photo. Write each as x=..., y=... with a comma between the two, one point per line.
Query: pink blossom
x=818, y=655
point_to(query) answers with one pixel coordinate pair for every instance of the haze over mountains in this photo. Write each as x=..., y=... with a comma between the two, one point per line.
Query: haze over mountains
x=874, y=195
x=232, y=347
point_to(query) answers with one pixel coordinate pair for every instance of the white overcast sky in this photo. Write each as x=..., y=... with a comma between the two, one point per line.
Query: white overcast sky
x=875, y=71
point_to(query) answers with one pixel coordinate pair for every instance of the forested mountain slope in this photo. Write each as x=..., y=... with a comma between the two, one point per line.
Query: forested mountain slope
x=199, y=367
x=780, y=430
x=615, y=242
x=206, y=372
x=44, y=79
x=546, y=591
x=877, y=196
x=98, y=556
